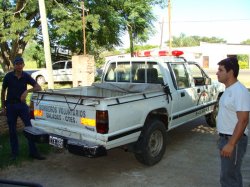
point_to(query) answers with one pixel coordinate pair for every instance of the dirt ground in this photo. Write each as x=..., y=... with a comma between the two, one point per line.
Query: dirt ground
x=191, y=160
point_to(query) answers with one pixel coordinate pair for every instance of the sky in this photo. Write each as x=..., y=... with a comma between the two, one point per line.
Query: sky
x=226, y=19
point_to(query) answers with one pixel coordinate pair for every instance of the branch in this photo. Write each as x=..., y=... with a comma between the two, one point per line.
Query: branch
x=19, y=7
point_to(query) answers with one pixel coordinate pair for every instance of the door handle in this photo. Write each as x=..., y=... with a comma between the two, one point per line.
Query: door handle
x=182, y=94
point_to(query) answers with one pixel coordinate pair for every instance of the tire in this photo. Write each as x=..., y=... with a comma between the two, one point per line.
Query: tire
x=40, y=80
x=211, y=117
x=151, y=145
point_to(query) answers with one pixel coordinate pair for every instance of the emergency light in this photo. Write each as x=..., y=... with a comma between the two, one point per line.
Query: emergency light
x=158, y=53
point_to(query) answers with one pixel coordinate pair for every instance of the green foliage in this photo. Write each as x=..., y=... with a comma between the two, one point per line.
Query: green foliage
x=144, y=47
x=188, y=41
x=34, y=52
x=243, y=65
x=20, y=20
x=137, y=18
x=5, y=151
x=243, y=61
x=247, y=42
x=105, y=22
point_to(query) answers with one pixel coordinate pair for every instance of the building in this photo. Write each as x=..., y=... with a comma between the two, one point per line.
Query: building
x=209, y=54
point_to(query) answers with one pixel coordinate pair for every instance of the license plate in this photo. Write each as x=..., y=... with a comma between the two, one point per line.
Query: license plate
x=56, y=141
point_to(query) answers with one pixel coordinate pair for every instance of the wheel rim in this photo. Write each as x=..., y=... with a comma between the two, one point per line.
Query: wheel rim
x=155, y=143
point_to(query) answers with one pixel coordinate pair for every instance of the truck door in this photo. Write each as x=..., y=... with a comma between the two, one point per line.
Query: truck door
x=184, y=96
x=202, y=84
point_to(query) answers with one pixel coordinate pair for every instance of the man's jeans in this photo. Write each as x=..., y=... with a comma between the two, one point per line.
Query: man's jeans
x=231, y=167
x=13, y=111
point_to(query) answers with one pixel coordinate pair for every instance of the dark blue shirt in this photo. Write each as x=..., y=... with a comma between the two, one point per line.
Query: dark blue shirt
x=16, y=86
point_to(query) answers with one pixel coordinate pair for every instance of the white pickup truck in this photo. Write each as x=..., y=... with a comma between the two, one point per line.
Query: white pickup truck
x=136, y=103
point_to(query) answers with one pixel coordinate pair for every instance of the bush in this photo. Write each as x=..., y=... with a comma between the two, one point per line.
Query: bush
x=243, y=65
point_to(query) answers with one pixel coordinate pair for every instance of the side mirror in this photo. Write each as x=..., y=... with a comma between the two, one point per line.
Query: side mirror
x=199, y=81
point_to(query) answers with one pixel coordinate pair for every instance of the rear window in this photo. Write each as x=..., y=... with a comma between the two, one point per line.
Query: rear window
x=134, y=72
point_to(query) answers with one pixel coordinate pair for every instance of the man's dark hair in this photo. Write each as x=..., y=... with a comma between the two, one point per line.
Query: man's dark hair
x=230, y=63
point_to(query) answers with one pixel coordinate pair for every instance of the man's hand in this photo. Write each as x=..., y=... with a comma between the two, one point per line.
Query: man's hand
x=227, y=150
x=24, y=95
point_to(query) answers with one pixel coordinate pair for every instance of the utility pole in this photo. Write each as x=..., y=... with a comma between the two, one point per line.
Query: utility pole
x=46, y=43
x=162, y=25
x=83, y=29
x=169, y=27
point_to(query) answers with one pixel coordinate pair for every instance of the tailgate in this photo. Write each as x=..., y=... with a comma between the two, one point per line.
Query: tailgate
x=65, y=115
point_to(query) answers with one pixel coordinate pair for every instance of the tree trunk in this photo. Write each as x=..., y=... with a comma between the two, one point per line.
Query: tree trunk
x=131, y=42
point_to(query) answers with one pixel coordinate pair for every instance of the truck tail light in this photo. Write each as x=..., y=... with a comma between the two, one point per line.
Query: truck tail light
x=32, y=110
x=102, y=122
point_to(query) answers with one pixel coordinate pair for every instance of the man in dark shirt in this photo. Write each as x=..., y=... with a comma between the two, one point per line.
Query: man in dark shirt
x=14, y=106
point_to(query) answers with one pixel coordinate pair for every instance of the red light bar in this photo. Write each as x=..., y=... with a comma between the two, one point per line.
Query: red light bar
x=159, y=53
x=177, y=53
x=163, y=53
x=147, y=53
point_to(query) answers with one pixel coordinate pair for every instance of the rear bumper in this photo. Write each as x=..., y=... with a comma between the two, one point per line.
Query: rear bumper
x=77, y=147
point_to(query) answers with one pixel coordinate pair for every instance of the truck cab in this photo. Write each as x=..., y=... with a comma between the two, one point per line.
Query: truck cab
x=188, y=83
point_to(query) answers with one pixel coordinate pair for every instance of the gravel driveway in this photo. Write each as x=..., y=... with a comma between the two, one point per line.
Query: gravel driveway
x=191, y=160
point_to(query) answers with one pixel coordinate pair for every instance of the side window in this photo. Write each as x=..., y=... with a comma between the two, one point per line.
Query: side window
x=181, y=76
x=69, y=65
x=58, y=65
x=200, y=78
x=110, y=75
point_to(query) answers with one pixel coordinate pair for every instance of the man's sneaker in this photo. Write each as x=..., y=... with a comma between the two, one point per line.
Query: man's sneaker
x=37, y=156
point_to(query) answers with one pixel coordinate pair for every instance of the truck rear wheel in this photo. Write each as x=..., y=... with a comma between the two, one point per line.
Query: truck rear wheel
x=211, y=117
x=151, y=145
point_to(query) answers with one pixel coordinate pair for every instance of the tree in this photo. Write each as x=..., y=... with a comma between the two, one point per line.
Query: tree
x=106, y=22
x=137, y=19
x=19, y=22
x=188, y=41
x=247, y=42
x=35, y=51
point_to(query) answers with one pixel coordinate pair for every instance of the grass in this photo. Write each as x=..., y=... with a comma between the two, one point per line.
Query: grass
x=30, y=65
x=5, y=150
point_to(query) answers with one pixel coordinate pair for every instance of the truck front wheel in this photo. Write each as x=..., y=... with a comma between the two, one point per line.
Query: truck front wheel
x=151, y=145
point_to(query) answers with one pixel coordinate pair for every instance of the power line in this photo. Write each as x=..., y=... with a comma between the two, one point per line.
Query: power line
x=208, y=21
